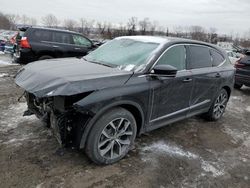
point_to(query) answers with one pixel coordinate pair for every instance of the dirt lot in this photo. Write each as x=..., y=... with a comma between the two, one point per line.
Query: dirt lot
x=190, y=153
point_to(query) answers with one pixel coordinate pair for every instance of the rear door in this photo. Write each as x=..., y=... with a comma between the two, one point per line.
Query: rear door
x=62, y=44
x=206, y=78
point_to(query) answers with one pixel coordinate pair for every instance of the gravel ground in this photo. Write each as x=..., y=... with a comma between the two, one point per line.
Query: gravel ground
x=190, y=153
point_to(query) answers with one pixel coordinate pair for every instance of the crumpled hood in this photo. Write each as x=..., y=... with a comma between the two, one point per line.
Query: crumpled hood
x=68, y=76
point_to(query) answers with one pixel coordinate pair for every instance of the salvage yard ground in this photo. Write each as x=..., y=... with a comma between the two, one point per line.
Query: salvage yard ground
x=190, y=153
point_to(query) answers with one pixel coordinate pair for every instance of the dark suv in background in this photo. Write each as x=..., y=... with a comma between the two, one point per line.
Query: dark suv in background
x=33, y=43
x=242, y=76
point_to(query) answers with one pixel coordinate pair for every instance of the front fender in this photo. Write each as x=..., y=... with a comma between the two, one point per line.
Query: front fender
x=100, y=101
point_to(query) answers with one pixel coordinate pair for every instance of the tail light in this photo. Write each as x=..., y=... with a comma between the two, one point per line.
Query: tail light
x=238, y=64
x=25, y=43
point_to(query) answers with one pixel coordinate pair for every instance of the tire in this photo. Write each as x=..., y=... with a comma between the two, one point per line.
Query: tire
x=218, y=107
x=45, y=57
x=238, y=86
x=111, y=137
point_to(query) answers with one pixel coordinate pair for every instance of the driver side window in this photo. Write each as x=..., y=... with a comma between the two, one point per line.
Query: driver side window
x=175, y=56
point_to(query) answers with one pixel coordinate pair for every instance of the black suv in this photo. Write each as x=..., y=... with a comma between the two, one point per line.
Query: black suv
x=129, y=86
x=33, y=43
x=242, y=76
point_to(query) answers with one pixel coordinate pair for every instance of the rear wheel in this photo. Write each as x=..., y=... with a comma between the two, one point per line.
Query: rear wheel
x=111, y=137
x=218, y=107
x=238, y=86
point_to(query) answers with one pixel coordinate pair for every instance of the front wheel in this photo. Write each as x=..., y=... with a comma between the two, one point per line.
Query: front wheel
x=111, y=137
x=218, y=107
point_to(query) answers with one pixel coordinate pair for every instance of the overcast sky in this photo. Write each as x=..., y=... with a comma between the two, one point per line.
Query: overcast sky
x=226, y=15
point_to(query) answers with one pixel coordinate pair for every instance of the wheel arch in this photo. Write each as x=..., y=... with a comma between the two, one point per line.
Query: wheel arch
x=228, y=90
x=131, y=106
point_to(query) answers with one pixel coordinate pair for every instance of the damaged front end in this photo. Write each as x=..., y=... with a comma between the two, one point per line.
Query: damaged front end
x=58, y=113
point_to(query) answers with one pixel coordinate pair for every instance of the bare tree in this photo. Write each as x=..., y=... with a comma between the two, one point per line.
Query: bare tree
x=86, y=26
x=152, y=27
x=50, y=21
x=70, y=24
x=101, y=28
x=144, y=25
x=198, y=33
x=24, y=19
x=13, y=18
x=132, y=25
x=178, y=31
x=4, y=22
x=32, y=21
x=213, y=36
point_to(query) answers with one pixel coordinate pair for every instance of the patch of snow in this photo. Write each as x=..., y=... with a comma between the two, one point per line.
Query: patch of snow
x=3, y=75
x=236, y=134
x=236, y=98
x=248, y=109
x=207, y=167
x=153, y=39
x=175, y=151
x=169, y=149
x=5, y=63
x=1, y=53
x=13, y=116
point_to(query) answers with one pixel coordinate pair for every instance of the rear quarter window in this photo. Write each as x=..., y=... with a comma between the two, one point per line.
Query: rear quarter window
x=42, y=35
x=217, y=58
x=61, y=37
x=200, y=57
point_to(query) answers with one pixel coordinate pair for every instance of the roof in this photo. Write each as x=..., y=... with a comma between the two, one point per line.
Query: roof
x=152, y=39
x=162, y=39
x=46, y=28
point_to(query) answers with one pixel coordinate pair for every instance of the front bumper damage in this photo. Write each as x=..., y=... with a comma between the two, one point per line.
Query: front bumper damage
x=67, y=123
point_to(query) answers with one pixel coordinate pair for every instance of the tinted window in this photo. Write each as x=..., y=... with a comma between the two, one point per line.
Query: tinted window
x=199, y=57
x=175, y=56
x=79, y=40
x=60, y=37
x=217, y=58
x=42, y=35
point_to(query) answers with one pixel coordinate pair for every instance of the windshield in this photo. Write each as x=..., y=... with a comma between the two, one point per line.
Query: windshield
x=125, y=54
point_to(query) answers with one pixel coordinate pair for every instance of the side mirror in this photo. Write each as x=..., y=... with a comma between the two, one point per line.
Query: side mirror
x=164, y=70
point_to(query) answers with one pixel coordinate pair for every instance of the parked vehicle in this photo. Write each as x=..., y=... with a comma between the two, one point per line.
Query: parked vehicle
x=129, y=86
x=242, y=76
x=35, y=43
x=10, y=43
x=233, y=56
x=2, y=44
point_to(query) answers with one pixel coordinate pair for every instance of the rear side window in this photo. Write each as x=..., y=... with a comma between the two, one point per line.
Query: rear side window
x=61, y=37
x=217, y=58
x=175, y=56
x=42, y=35
x=81, y=41
x=199, y=57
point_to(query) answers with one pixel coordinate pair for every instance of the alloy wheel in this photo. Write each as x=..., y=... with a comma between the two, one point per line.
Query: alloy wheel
x=220, y=105
x=115, y=138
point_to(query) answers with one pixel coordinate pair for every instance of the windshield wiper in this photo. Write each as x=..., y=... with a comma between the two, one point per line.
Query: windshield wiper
x=97, y=62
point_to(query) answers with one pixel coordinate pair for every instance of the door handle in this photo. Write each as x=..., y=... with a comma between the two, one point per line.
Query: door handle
x=77, y=48
x=217, y=75
x=187, y=80
x=54, y=46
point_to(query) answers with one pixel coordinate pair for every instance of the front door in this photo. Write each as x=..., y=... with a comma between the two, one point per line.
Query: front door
x=171, y=96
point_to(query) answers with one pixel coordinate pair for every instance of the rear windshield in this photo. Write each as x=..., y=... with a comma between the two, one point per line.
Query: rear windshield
x=126, y=54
